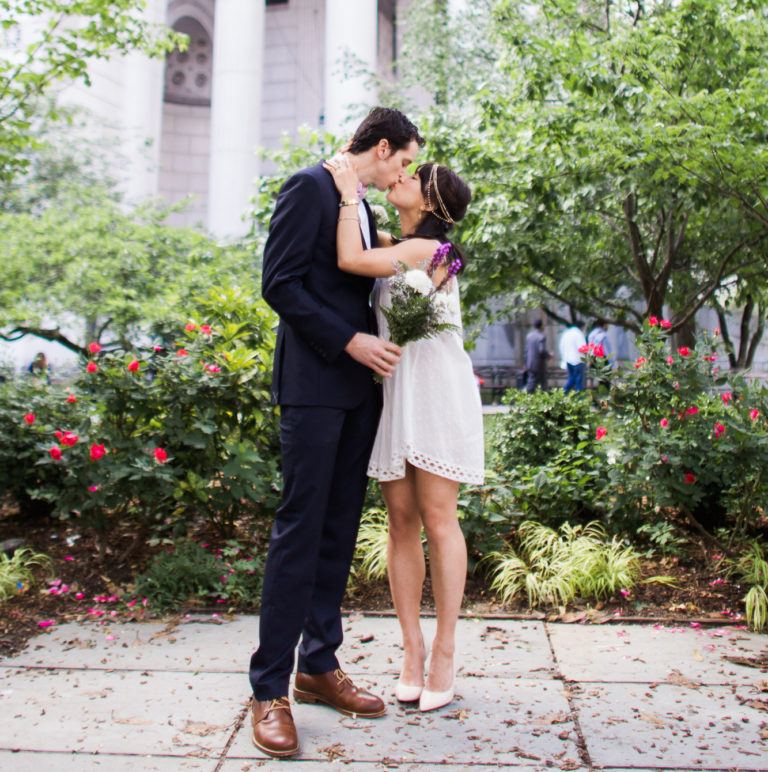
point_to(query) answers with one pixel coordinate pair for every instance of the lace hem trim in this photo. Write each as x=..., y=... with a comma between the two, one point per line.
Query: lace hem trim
x=396, y=468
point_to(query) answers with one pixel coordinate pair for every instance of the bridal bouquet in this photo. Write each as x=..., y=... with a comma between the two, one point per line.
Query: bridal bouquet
x=418, y=308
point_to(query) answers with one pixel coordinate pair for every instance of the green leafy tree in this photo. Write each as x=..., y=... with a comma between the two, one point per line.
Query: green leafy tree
x=48, y=41
x=103, y=273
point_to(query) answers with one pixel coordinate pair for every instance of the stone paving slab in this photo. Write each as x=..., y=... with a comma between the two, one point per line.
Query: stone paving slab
x=666, y=726
x=500, y=720
x=149, y=713
x=200, y=644
x=654, y=653
x=26, y=761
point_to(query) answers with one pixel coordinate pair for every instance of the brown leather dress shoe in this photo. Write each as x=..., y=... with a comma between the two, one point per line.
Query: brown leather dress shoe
x=337, y=690
x=274, y=732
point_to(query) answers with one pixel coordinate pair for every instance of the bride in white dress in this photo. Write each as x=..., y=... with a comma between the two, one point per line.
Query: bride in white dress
x=430, y=436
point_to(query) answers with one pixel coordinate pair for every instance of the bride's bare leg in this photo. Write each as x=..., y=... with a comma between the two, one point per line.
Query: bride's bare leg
x=437, y=502
x=405, y=562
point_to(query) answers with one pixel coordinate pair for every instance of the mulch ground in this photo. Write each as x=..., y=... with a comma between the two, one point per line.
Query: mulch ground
x=81, y=586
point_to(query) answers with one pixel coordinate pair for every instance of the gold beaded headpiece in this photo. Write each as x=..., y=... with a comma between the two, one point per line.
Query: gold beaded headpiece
x=432, y=185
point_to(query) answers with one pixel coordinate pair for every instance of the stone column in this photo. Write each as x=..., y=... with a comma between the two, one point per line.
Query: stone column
x=238, y=51
x=143, y=115
x=350, y=27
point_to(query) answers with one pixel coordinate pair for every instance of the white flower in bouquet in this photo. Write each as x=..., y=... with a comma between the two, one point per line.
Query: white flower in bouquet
x=419, y=281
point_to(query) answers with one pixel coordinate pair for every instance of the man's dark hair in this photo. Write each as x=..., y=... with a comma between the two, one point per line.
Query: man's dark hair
x=384, y=123
x=538, y=324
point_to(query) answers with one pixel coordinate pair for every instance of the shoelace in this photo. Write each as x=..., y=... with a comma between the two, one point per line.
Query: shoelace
x=341, y=676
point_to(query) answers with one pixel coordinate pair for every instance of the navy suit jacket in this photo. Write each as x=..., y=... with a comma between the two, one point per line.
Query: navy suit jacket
x=320, y=307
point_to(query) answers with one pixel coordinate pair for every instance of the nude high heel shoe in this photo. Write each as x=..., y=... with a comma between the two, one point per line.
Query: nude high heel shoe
x=430, y=700
x=406, y=692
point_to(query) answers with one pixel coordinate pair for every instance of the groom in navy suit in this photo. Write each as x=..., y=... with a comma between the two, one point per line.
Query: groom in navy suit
x=327, y=353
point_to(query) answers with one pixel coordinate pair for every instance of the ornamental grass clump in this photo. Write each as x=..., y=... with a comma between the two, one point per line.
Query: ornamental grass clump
x=752, y=569
x=17, y=571
x=553, y=567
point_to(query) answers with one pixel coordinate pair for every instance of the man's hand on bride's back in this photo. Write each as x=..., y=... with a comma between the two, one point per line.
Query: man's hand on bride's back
x=380, y=355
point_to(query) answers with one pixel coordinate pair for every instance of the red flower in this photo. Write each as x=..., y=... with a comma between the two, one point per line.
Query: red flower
x=599, y=351
x=182, y=352
x=93, y=488
x=653, y=321
x=726, y=396
x=205, y=329
x=58, y=434
x=639, y=362
x=584, y=349
x=690, y=478
x=29, y=418
x=94, y=347
x=55, y=452
x=692, y=410
x=600, y=432
x=91, y=367
x=664, y=423
x=665, y=324
x=754, y=414
x=133, y=366
x=190, y=327
x=161, y=456
x=719, y=429
x=97, y=452
x=664, y=458
x=213, y=368
x=71, y=398
x=684, y=351
x=670, y=360
x=69, y=439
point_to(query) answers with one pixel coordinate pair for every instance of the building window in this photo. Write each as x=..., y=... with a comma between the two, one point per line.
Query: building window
x=188, y=73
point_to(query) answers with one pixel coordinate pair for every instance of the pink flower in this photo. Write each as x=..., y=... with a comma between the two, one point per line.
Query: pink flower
x=584, y=349
x=58, y=434
x=754, y=414
x=664, y=423
x=94, y=347
x=716, y=331
x=46, y=623
x=599, y=351
x=213, y=368
x=71, y=398
x=715, y=582
x=726, y=396
x=29, y=418
x=689, y=478
x=69, y=439
x=93, y=488
x=133, y=366
x=653, y=321
x=625, y=593
x=157, y=348
x=695, y=625
x=91, y=367
x=692, y=410
x=79, y=595
x=639, y=362
x=190, y=327
x=68, y=558
x=55, y=453
x=665, y=324
x=182, y=352
x=664, y=458
x=161, y=456
x=600, y=432
x=670, y=360
x=132, y=603
x=719, y=430
x=97, y=452
x=676, y=385
x=205, y=329
x=684, y=351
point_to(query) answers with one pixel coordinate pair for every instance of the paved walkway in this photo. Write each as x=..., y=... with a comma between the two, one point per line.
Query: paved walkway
x=536, y=695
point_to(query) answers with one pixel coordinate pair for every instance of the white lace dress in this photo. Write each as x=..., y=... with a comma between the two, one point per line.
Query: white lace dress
x=432, y=415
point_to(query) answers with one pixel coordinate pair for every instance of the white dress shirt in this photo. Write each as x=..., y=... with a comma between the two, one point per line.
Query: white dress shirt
x=570, y=342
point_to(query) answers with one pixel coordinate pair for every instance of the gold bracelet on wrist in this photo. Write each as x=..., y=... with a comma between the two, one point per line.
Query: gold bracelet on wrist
x=355, y=219
x=349, y=202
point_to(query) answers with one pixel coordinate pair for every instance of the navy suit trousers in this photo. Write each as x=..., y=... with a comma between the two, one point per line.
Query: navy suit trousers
x=325, y=454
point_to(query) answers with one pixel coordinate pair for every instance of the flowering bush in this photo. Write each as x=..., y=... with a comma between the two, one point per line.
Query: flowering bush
x=550, y=455
x=181, y=429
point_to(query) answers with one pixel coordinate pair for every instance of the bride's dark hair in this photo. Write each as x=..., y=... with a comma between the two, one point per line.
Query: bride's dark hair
x=447, y=197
